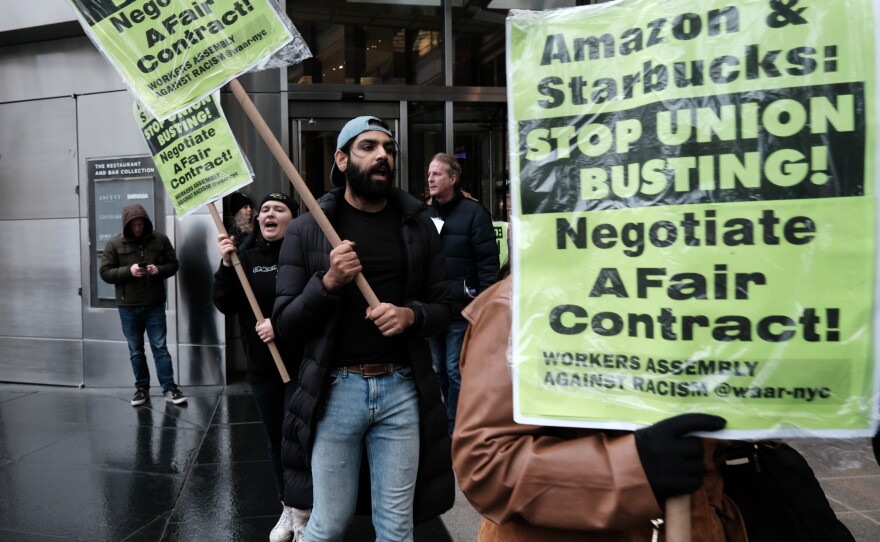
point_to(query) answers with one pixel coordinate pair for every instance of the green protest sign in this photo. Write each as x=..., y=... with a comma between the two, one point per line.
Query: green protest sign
x=501, y=239
x=172, y=53
x=195, y=154
x=694, y=227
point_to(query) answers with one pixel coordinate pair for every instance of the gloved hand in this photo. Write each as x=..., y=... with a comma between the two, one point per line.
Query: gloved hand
x=672, y=461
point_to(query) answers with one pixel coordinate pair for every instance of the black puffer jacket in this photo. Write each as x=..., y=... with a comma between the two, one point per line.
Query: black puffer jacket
x=123, y=251
x=260, y=265
x=469, y=246
x=303, y=306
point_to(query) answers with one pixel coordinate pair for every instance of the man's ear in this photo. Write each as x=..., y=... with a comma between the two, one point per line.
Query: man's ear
x=341, y=160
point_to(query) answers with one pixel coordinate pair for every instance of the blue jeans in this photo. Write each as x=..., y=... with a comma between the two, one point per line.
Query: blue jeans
x=135, y=321
x=446, y=351
x=379, y=415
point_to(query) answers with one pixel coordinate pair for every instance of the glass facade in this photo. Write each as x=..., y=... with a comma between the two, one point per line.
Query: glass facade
x=478, y=45
x=435, y=69
x=426, y=138
x=368, y=43
x=480, y=144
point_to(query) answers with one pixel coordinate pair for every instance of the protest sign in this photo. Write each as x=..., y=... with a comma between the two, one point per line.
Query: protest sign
x=502, y=240
x=195, y=154
x=694, y=229
x=172, y=53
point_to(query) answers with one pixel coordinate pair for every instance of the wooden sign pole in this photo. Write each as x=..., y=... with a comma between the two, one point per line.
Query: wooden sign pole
x=248, y=291
x=678, y=519
x=296, y=180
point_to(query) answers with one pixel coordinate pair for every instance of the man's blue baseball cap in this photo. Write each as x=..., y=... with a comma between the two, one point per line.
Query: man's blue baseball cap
x=351, y=130
x=359, y=125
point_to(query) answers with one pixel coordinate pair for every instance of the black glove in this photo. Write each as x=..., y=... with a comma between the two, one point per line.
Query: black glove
x=672, y=461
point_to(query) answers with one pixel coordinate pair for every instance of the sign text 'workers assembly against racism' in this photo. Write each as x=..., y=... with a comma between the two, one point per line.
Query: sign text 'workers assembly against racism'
x=173, y=53
x=694, y=186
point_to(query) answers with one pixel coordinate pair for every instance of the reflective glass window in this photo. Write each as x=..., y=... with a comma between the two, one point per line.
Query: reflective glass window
x=479, y=36
x=369, y=42
x=479, y=140
x=426, y=138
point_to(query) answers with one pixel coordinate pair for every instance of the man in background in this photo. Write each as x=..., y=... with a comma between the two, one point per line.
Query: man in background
x=471, y=254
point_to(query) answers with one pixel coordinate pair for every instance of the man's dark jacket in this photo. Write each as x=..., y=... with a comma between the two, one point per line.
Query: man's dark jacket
x=124, y=250
x=303, y=306
x=469, y=246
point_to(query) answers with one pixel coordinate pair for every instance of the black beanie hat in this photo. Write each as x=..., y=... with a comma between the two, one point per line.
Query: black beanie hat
x=283, y=198
x=237, y=200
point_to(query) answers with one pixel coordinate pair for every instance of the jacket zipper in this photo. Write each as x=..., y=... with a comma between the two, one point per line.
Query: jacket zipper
x=657, y=526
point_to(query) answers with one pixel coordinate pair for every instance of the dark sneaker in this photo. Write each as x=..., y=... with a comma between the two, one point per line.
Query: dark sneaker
x=141, y=396
x=175, y=396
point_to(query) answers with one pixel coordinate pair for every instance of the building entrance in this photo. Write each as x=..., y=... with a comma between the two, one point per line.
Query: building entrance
x=479, y=141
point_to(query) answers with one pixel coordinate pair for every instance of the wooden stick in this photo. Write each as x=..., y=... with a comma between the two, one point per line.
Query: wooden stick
x=678, y=519
x=298, y=184
x=236, y=264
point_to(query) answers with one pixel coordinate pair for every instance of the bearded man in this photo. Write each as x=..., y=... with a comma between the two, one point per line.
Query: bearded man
x=367, y=390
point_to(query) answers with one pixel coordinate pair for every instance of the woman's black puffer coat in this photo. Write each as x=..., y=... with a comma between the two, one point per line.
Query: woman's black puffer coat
x=260, y=265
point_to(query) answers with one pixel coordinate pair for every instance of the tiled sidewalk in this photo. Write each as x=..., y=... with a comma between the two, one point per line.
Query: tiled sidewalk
x=850, y=477
x=82, y=464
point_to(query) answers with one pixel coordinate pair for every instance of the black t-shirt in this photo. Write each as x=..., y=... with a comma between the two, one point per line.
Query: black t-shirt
x=379, y=246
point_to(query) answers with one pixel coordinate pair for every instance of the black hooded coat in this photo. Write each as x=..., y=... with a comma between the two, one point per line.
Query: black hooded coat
x=124, y=250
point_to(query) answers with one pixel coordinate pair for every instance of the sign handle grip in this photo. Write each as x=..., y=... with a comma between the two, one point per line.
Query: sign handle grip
x=236, y=264
x=296, y=180
x=678, y=519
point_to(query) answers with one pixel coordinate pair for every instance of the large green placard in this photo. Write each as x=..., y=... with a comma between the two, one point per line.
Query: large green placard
x=195, y=154
x=172, y=53
x=694, y=229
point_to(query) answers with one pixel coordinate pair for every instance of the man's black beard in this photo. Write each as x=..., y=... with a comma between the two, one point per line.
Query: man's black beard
x=363, y=187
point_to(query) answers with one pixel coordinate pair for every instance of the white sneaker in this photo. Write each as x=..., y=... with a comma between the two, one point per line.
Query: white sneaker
x=299, y=523
x=283, y=530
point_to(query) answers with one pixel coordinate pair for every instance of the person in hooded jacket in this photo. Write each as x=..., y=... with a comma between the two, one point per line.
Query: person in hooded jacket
x=242, y=231
x=138, y=261
x=271, y=394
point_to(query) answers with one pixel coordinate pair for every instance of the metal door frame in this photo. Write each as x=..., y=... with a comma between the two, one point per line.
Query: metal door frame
x=332, y=116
